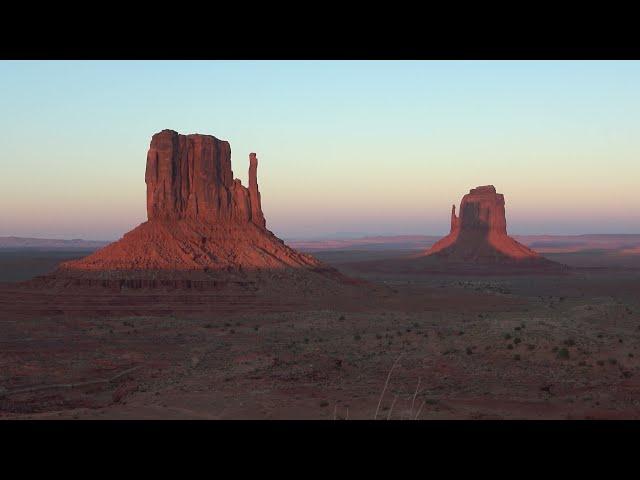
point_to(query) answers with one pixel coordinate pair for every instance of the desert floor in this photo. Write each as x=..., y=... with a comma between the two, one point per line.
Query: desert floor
x=491, y=347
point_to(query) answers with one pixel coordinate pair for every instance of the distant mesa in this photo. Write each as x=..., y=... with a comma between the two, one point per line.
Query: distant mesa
x=478, y=237
x=477, y=243
x=479, y=234
x=204, y=228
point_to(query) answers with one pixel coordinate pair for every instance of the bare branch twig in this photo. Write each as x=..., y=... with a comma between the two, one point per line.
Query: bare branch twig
x=375, y=417
x=419, y=410
x=414, y=396
x=391, y=409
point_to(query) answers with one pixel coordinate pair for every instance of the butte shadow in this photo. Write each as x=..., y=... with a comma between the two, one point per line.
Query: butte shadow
x=477, y=243
x=205, y=230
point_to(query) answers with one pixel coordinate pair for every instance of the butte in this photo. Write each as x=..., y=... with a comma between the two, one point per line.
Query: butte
x=477, y=243
x=478, y=238
x=204, y=230
x=479, y=235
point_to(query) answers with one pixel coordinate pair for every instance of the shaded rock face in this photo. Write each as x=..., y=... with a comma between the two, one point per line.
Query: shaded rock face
x=190, y=177
x=480, y=232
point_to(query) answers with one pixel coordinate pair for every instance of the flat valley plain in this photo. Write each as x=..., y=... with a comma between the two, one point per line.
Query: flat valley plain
x=561, y=346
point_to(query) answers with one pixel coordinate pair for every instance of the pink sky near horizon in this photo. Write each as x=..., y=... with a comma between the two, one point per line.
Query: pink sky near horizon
x=362, y=147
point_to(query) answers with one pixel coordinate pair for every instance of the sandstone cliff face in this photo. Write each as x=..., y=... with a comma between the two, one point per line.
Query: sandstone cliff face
x=480, y=232
x=190, y=177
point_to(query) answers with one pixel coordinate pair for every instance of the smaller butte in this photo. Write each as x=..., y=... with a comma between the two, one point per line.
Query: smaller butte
x=477, y=243
x=479, y=234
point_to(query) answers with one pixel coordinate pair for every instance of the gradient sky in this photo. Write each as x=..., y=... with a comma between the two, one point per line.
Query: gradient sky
x=346, y=146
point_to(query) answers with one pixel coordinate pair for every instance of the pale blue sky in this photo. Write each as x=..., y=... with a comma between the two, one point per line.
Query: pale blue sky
x=371, y=147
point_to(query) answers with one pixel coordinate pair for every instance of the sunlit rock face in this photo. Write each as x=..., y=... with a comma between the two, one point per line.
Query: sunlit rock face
x=190, y=177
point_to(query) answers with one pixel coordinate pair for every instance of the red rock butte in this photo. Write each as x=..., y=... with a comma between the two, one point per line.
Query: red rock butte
x=204, y=227
x=479, y=234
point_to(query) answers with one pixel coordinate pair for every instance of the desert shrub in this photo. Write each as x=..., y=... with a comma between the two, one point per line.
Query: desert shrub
x=469, y=350
x=357, y=337
x=613, y=361
x=510, y=346
x=517, y=340
x=563, y=354
x=600, y=362
x=516, y=356
x=507, y=336
x=569, y=342
x=530, y=346
x=324, y=403
x=342, y=318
